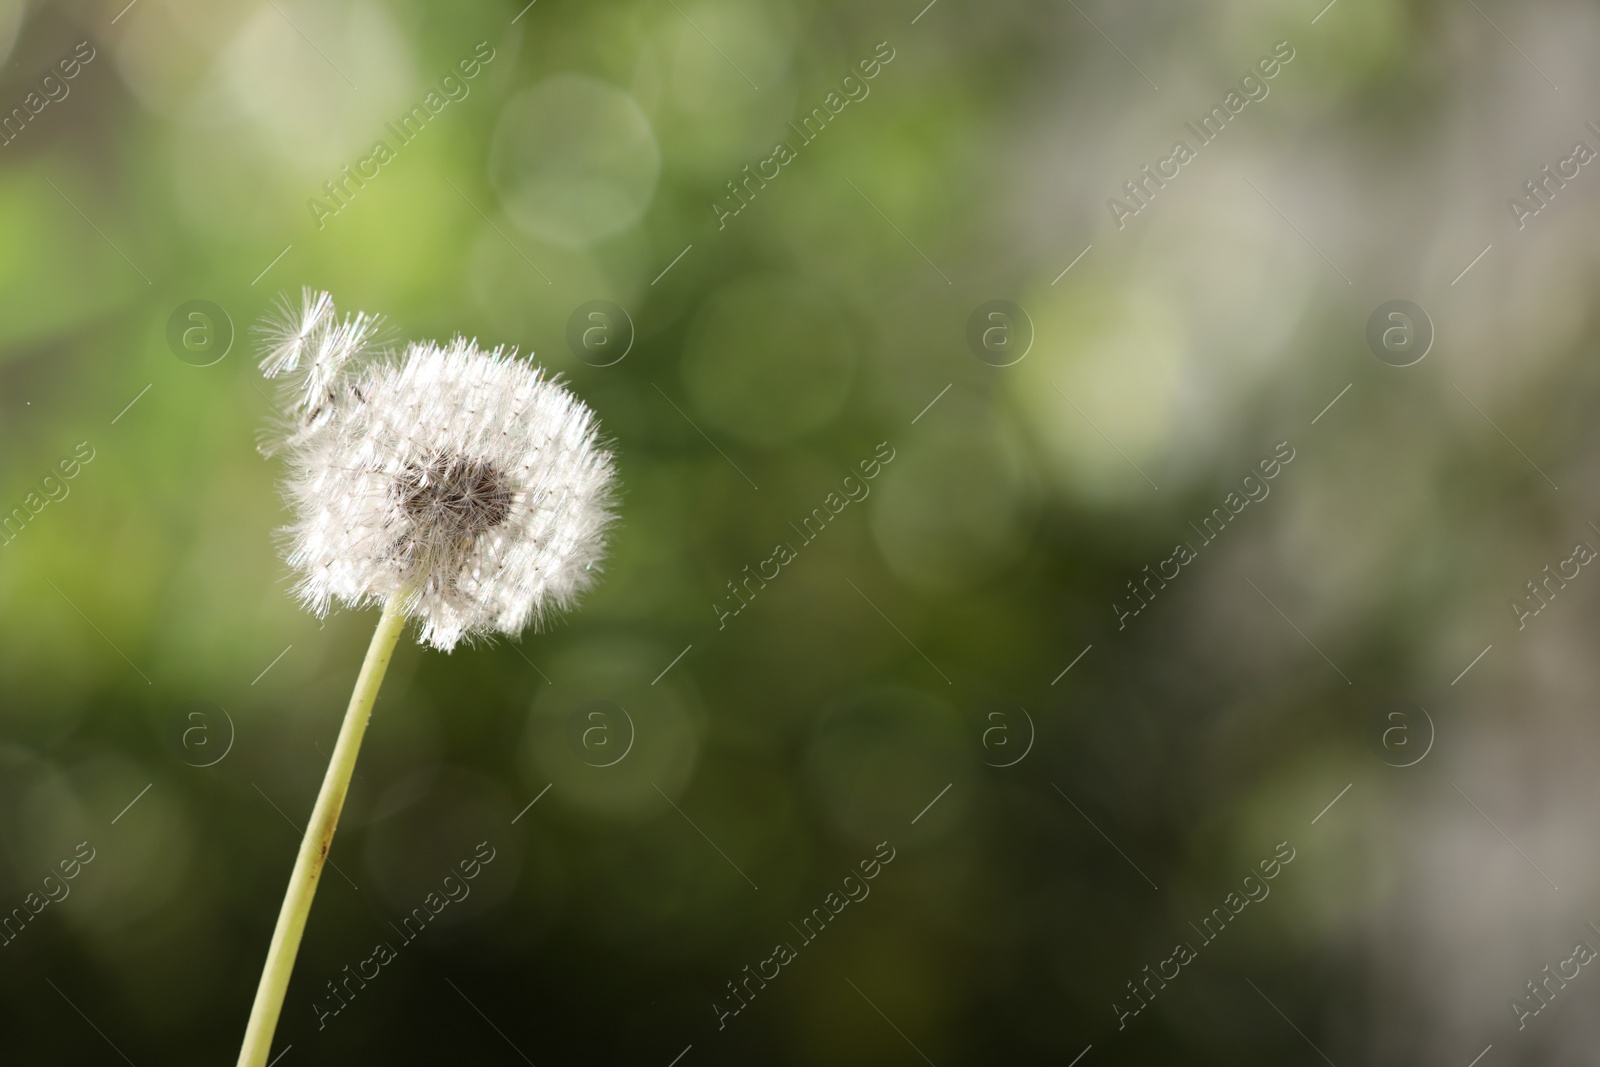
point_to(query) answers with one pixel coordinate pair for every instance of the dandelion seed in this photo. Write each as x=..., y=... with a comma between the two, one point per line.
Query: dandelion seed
x=309, y=349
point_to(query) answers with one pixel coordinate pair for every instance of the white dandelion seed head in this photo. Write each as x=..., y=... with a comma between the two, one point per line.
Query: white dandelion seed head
x=464, y=481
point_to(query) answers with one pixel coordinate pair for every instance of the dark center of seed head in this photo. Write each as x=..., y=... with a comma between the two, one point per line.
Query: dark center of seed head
x=454, y=495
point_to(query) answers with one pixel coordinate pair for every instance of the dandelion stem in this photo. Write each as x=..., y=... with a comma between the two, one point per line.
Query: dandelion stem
x=318, y=838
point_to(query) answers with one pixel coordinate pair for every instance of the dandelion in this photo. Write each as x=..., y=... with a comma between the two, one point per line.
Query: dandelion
x=456, y=487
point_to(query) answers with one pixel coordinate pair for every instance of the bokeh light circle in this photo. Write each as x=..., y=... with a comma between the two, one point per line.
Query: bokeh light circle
x=574, y=160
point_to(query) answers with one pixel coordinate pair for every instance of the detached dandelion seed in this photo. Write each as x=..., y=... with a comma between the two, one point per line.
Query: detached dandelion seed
x=308, y=349
x=456, y=487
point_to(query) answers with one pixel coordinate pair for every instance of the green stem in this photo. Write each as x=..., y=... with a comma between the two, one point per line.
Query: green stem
x=318, y=838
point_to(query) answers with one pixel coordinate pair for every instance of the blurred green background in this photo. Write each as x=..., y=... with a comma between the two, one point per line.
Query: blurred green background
x=951, y=665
